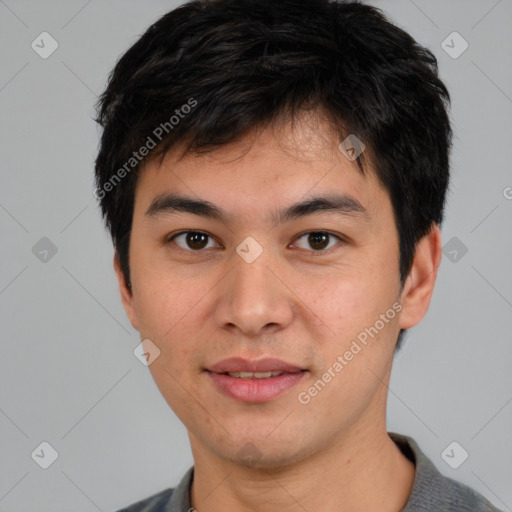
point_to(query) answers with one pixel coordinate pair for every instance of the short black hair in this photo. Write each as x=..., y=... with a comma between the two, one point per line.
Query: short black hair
x=211, y=71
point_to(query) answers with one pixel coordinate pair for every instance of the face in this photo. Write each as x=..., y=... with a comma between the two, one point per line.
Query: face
x=313, y=294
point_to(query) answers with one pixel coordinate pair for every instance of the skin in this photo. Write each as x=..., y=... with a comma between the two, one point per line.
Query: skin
x=293, y=302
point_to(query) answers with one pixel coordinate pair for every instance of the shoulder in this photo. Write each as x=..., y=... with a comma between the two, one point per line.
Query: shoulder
x=175, y=499
x=154, y=503
x=460, y=497
x=432, y=491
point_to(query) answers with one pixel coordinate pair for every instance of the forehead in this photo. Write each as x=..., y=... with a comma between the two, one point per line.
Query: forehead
x=272, y=165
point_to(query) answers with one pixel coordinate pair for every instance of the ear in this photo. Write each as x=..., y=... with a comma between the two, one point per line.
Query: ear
x=419, y=285
x=126, y=293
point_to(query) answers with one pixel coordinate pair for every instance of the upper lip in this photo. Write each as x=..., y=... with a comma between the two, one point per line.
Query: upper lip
x=239, y=364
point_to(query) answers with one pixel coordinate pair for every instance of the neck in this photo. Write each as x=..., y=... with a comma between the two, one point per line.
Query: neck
x=361, y=472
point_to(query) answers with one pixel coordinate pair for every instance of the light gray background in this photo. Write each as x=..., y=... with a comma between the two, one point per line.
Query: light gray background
x=68, y=373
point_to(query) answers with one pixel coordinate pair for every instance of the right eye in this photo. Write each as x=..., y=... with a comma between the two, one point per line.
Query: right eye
x=191, y=241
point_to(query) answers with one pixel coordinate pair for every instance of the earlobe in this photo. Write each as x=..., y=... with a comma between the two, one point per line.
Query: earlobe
x=419, y=286
x=126, y=292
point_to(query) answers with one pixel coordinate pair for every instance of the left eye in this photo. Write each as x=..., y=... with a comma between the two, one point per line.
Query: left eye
x=318, y=240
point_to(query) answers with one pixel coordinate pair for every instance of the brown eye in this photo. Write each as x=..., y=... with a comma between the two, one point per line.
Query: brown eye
x=192, y=240
x=318, y=240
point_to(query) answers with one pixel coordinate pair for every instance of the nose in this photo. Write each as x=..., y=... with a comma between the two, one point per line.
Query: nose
x=254, y=298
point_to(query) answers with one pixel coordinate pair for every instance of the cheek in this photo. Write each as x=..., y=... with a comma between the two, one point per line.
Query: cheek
x=352, y=307
x=355, y=358
x=163, y=300
x=350, y=301
x=172, y=311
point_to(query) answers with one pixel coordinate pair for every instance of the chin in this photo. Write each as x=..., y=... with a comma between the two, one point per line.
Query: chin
x=254, y=455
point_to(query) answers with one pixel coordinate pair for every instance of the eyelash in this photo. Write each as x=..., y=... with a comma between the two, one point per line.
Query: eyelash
x=313, y=252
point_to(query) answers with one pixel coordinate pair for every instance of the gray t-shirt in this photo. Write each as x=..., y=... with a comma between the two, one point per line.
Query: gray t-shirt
x=431, y=491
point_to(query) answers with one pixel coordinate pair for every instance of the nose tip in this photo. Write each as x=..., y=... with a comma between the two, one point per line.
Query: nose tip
x=253, y=299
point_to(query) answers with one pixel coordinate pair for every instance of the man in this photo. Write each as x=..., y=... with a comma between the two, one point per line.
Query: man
x=273, y=176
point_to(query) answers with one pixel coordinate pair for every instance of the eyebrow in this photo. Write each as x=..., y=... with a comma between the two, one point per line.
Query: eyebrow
x=337, y=203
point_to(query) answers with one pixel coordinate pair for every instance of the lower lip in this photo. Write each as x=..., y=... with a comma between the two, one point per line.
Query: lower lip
x=255, y=390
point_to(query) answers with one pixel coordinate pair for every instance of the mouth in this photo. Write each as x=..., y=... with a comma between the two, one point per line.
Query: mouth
x=254, y=381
